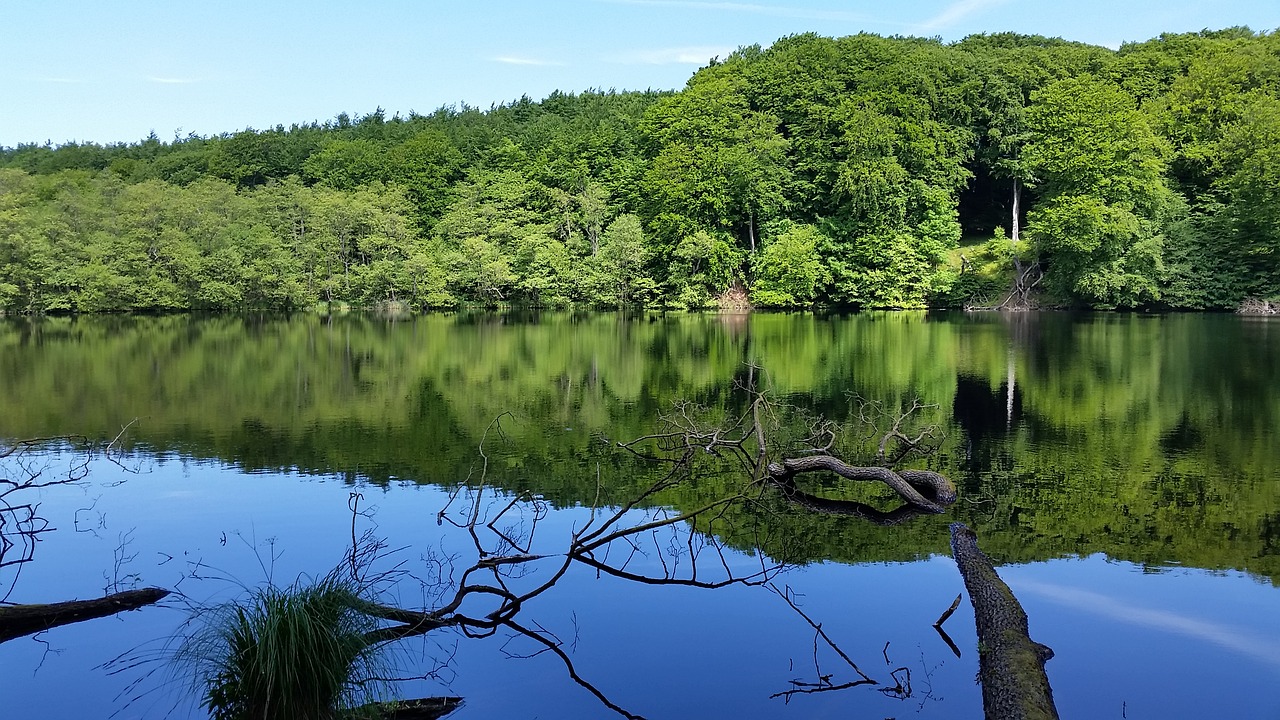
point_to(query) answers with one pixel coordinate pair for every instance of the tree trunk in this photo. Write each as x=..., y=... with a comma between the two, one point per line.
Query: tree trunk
x=903, y=482
x=1010, y=663
x=1017, y=212
x=20, y=620
x=430, y=708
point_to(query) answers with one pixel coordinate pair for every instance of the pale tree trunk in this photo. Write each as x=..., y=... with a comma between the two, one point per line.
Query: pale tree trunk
x=1012, y=382
x=1014, y=232
x=1017, y=202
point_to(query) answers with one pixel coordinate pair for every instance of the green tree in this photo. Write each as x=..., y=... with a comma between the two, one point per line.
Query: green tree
x=789, y=271
x=717, y=160
x=619, y=267
x=500, y=234
x=1251, y=151
x=346, y=164
x=705, y=266
x=1105, y=202
x=426, y=165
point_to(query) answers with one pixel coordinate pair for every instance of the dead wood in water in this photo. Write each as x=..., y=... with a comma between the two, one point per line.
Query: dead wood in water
x=1010, y=663
x=431, y=708
x=19, y=620
x=907, y=483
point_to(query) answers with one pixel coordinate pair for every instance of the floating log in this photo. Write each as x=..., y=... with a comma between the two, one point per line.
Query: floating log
x=907, y=483
x=1010, y=663
x=19, y=620
x=848, y=508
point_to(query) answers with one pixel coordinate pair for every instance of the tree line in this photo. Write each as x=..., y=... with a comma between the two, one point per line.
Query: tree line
x=861, y=171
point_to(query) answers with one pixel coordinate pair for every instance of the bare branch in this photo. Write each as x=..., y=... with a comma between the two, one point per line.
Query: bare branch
x=554, y=647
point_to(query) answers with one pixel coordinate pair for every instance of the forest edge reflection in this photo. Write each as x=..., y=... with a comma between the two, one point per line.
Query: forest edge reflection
x=1092, y=424
x=1160, y=420
x=263, y=656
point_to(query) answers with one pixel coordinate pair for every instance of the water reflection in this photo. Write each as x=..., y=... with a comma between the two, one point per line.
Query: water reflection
x=1146, y=440
x=1236, y=639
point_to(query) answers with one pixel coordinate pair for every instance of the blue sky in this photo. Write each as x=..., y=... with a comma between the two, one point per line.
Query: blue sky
x=115, y=70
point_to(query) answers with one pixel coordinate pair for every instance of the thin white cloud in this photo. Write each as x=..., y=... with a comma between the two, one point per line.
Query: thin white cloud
x=1235, y=639
x=698, y=55
x=516, y=60
x=754, y=8
x=957, y=11
x=171, y=80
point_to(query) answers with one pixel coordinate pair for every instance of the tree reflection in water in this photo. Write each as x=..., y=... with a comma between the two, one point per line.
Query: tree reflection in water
x=509, y=564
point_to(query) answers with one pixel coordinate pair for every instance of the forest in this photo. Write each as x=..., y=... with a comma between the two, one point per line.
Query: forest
x=853, y=172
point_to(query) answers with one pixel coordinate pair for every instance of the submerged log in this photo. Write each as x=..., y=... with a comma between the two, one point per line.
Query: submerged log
x=430, y=708
x=849, y=508
x=1010, y=663
x=19, y=620
x=907, y=483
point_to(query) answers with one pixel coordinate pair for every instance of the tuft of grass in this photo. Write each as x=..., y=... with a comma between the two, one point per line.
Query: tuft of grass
x=297, y=652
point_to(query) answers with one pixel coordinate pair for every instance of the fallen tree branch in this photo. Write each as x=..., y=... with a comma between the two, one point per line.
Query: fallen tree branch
x=20, y=620
x=847, y=508
x=1010, y=663
x=903, y=482
x=431, y=708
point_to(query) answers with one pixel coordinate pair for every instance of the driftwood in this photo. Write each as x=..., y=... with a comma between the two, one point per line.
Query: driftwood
x=1258, y=306
x=1010, y=663
x=907, y=483
x=19, y=620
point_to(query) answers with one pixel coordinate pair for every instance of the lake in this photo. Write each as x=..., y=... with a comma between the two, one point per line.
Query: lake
x=1121, y=470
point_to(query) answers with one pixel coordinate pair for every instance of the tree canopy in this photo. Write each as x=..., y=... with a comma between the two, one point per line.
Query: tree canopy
x=860, y=171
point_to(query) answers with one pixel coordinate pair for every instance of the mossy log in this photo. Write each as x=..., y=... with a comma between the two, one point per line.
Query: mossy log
x=1010, y=663
x=19, y=620
x=847, y=508
x=907, y=483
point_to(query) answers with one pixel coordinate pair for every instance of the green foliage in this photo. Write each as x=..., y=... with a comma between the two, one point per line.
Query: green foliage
x=1159, y=155
x=704, y=265
x=716, y=160
x=1251, y=155
x=1105, y=201
x=345, y=164
x=619, y=276
x=789, y=270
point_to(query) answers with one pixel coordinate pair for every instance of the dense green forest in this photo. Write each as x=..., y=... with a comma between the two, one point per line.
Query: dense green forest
x=861, y=171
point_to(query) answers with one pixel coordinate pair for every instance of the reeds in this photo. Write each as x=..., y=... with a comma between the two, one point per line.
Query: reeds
x=298, y=652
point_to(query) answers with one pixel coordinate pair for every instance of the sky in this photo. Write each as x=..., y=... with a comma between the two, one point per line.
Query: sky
x=116, y=70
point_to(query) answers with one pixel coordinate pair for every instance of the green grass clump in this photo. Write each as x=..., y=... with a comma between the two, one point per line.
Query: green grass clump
x=297, y=652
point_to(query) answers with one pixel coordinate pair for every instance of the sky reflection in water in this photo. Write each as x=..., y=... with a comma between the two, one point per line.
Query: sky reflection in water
x=1147, y=445
x=1147, y=644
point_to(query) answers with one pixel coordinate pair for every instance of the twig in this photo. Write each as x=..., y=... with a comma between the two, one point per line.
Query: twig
x=947, y=613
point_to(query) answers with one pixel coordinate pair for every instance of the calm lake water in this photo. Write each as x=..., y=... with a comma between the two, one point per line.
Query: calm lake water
x=1120, y=469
